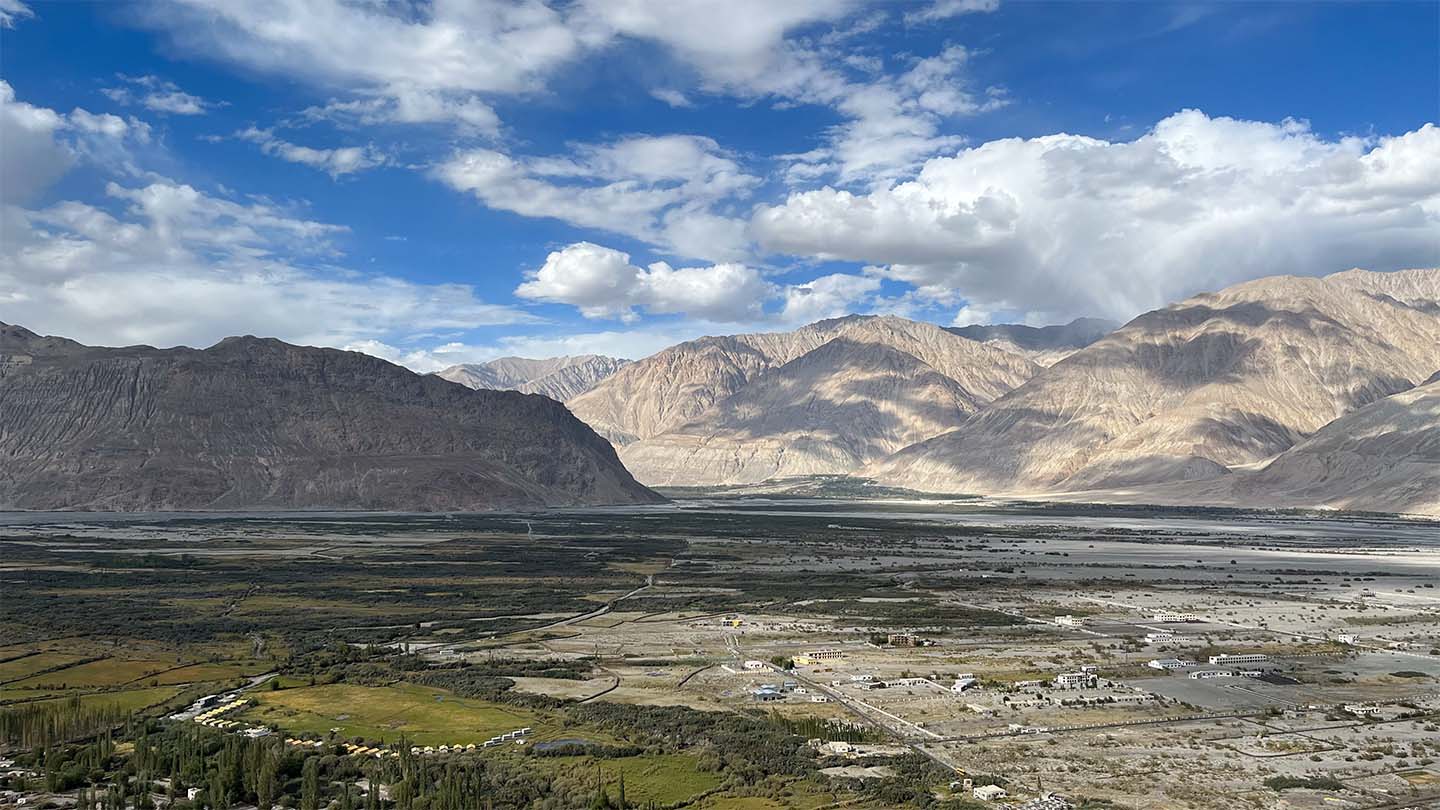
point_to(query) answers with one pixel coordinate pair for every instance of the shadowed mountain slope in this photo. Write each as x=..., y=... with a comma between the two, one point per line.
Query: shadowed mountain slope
x=256, y=423
x=1045, y=345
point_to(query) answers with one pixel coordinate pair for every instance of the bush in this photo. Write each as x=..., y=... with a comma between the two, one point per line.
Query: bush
x=1278, y=783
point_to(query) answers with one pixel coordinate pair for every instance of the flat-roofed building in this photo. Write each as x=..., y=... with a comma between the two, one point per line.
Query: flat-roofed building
x=1230, y=660
x=989, y=793
x=817, y=656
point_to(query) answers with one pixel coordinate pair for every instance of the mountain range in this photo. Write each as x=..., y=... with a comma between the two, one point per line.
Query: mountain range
x=559, y=378
x=254, y=423
x=1256, y=395
x=1315, y=392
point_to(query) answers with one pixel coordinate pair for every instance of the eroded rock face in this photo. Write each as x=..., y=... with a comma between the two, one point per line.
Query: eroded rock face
x=559, y=378
x=1194, y=390
x=259, y=424
x=822, y=400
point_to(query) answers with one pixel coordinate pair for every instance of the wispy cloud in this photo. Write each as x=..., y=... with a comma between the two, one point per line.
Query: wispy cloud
x=158, y=95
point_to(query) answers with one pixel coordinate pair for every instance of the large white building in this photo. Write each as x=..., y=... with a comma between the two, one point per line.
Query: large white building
x=1168, y=663
x=1074, y=680
x=1175, y=617
x=815, y=656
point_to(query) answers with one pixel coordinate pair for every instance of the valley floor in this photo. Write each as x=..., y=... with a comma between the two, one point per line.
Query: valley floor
x=731, y=652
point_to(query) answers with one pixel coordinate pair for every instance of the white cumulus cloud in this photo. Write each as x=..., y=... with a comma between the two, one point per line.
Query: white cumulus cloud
x=168, y=264
x=38, y=145
x=1068, y=225
x=660, y=189
x=828, y=297
x=602, y=283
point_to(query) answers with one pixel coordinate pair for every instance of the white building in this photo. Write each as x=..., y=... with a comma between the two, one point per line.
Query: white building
x=755, y=665
x=1069, y=621
x=1231, y=660
x=1206, y=674
x=989, y=793
x=1074, y=680
x=1168, y=663
x=964, y=681
x=1347, y=638
x=1175, y=618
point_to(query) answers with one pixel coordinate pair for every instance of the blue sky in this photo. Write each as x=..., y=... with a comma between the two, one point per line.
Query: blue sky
x=452, y=181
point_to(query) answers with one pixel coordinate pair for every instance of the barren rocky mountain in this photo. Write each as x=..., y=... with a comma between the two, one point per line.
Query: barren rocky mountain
x=1384, y=457
x=1045, y=345
x=255, y=423
x=559, y=378
x=1187, y=392
x=871, y=386
x=676, y=385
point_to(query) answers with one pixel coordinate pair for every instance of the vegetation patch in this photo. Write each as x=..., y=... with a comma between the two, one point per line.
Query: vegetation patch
x=424, y=715
x=198, y=673
x=1306, y=782
x=21, y=667
x=664, y=779
x=105, y=672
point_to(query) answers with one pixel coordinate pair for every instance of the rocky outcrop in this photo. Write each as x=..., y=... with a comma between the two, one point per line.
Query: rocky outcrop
x=255, y=423
x=1189, y=392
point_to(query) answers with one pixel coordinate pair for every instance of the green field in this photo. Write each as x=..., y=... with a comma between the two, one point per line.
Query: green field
x=798, y=796
x=196, y=673
x=105, y=672
x=425, y=715
x=21, y=667
x=126, y=699
x=663, y=778
x=8, y=695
